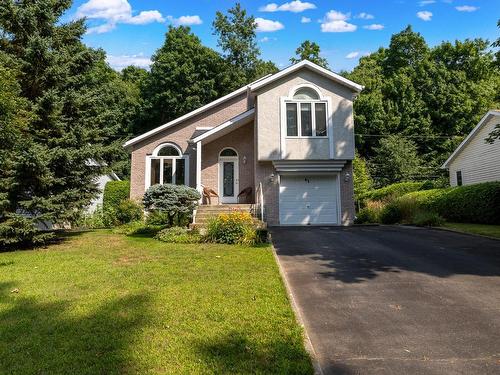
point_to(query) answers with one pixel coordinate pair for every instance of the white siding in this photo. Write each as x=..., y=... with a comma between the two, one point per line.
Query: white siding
x=101, y=183
x=478, y=161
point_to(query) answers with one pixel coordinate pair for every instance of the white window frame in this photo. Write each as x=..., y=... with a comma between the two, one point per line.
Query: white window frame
x=284, y=100
x=154, y=156
x=298, y=104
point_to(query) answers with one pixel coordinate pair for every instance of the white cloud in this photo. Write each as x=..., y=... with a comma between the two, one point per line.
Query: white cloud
x=466, y=8
x=264, y=25
x=335, y=22
x=352, y=55
x=426, y=2
x=374, y=26
x=114, y=12
x=305, y=20
x=295, y=6
x=424, y=15
x=365, y=16
x=122, y=61
x=186, y=20
x=266, y=39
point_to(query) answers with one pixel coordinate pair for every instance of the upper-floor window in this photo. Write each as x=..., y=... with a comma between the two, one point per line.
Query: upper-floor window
x=306, y=114
x=167, y=165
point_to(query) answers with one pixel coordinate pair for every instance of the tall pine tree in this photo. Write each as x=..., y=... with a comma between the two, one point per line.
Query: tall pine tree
x=70, y=92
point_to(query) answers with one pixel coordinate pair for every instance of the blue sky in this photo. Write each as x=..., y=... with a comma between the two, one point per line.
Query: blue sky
x=131, y=30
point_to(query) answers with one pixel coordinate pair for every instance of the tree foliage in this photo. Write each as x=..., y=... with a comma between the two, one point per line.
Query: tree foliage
x=236, y=36
x=396, y=159
x=362, y=179
x=75, y=105
x=309, y=51
x=432, y=96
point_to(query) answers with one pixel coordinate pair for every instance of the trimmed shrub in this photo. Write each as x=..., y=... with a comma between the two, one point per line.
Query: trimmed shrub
x=391, y=214
x=157, y=217
x=397, y=190
x=479, y=203
x=114, y=193
x=427, y=219
x=232, y=228
x=178, y=235
x=177, y=201
x=366, y=216
x=128, y=211
x=371, y=212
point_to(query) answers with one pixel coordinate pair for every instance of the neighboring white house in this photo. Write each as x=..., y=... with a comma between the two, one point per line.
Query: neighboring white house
x=474, y=160
x=101, y=183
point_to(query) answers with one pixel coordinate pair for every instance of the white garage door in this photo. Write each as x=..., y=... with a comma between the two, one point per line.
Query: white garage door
x=308, y=199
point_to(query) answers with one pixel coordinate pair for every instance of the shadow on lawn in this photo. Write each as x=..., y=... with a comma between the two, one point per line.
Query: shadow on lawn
x=43, y=338
x=234, y=353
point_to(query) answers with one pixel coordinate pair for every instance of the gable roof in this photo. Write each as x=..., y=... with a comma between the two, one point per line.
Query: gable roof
x=311, y=66
x=471, y=135
x=220, y=129
x=187, y=116
x=261, y=82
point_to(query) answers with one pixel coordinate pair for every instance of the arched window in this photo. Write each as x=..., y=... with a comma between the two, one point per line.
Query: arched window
x=228, y=152
x=306, y=113
x=168, y=150
x=306, y=93
x=167, y=165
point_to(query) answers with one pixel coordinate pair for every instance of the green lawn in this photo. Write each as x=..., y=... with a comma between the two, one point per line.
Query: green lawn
x=483, y=229
x=103, y=303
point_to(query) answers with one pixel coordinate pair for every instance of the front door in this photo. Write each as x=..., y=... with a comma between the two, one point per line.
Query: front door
x=228, y=179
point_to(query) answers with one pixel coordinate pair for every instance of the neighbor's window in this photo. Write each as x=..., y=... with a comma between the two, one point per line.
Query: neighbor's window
x=459, y=178
x=306, y=114
x=167, y=166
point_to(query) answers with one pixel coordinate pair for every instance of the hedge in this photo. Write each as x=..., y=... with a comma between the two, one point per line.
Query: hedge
x=479, y=203
x=114, y=193
x=397, y=190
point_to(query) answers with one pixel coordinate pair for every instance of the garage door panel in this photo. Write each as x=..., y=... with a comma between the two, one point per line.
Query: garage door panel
x=308, y=199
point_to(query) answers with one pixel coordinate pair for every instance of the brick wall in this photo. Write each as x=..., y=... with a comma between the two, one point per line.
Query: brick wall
x=180, y=134
x=242, y=141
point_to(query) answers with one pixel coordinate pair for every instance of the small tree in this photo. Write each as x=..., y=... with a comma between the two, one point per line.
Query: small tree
x=396, y=159
x=362, y=180
x=309, y=51
x=177, y=201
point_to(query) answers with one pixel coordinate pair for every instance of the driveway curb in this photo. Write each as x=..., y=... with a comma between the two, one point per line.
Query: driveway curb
x=298, y=316
x=467, y=233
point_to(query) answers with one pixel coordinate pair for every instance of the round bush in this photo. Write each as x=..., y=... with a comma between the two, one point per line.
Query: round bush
x=391, y=214
x=177, y=201
x=365, y=216
x=128, y=211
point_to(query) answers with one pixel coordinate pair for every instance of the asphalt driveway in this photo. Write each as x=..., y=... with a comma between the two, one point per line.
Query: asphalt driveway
x=395, y=300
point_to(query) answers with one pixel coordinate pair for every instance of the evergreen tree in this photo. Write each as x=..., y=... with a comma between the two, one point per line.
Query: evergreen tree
x=309, y=51
x=69, y=91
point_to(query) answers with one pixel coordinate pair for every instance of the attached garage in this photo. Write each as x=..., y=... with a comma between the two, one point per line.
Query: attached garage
x=308, y=199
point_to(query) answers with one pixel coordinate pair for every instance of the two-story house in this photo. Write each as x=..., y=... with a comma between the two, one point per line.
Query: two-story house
x=288, y=139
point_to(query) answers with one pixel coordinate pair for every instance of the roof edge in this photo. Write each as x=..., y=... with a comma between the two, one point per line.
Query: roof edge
x=469, y=137
x=224, y=125
x=307, y=64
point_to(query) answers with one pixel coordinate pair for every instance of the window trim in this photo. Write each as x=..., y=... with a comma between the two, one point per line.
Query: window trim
x=329, y=118
x=313, y=115
x=154, y=156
